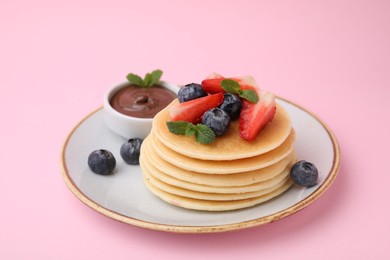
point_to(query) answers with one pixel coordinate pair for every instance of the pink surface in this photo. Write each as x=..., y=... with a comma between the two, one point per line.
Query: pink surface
x=57, y=60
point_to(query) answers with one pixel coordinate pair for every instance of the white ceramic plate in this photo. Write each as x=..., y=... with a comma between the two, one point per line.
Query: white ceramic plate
x=123, y=196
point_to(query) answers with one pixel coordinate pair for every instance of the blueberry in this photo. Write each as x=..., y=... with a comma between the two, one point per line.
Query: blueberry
x=217, y=119
x=101, y=162
x=304, y=173
x=130, y=151
x=232, y=105
x=190, y=92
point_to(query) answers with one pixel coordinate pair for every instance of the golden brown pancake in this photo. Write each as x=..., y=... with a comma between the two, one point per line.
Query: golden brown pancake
x=229, y=146
x=234, y=179
x=223, y=167
x=156, y=173
x=210, y=196
x=210, y=205
x=228, y=174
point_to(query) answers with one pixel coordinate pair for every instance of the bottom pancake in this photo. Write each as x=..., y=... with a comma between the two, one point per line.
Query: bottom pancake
x=209, y=196
x=211, y=205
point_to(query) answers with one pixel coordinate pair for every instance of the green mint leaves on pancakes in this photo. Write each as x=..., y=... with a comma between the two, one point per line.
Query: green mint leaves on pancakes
x=232, y=86
x=203, y=134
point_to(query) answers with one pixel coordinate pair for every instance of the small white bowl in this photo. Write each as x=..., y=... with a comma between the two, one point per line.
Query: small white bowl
x=128, y=126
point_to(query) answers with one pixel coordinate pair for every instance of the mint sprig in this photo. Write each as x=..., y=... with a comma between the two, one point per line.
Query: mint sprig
x=203, y=134
x=232, y=86
x=149, y=80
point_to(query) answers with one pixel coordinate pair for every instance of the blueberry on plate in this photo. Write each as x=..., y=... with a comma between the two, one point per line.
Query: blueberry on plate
x=304, y=173
x=130, y=151
x=101, y=162
x=190, y=92
x=232, y=105
x=217, y=119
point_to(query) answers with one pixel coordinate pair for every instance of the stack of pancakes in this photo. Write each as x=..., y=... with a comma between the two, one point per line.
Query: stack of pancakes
x=228, y=174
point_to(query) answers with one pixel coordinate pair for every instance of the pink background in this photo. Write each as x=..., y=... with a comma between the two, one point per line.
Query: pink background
x=57, y=60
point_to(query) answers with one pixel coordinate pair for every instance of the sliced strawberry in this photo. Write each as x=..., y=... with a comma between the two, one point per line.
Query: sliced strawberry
x=254, y=117
x=247, y=82
x=193, y=110
x=212, y=84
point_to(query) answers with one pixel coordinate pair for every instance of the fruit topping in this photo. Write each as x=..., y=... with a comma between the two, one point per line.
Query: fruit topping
x=255, y=116
x=101, y=162
x=217, y=119
x=237, y=96
x=130, y=151
x=190, y=92
x=212, y=84
x=193, y=110
x=203, y=134
x=232, y=105
x=304, y=173
x=233, y=87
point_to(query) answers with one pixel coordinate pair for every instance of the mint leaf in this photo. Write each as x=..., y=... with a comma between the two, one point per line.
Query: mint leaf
x=249, y=95
x=230, y=86
x=135, y=79
x=148, y=80
x=177, y=127
x=204, y=134
x=156, y=74
x=190, y=130
x=152, y=78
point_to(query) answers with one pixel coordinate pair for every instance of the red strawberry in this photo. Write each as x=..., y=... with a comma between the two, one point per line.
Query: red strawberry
x=254, y=117
x=247, y=82
x=212, y=84
x=193, y=110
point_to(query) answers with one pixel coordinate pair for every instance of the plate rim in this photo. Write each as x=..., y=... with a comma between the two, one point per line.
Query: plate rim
x=204, y=229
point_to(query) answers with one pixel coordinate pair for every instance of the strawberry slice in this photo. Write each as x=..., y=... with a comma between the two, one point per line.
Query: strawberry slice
x=254, y=117
x=193, y=110
x=247, y=82
x=212, y=84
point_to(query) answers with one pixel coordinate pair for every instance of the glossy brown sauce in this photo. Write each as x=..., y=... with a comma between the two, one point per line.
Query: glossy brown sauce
x=141, y=102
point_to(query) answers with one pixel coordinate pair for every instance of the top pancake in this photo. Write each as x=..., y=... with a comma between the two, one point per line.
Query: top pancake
x=229, y=146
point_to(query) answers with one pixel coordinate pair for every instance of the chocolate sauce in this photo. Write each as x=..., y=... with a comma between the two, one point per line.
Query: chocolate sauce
x=141, y=102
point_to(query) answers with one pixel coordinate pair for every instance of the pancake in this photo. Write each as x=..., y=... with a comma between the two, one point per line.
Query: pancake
x=156, y=173
x=222, y=167
x=229, y=146
x=209, y=196
x=235, y=179
x=210, y=205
